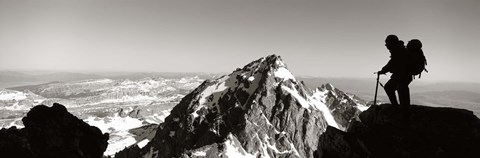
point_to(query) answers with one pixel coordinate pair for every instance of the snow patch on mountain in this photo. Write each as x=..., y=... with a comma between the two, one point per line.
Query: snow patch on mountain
x=119, y=142
x=157, y=118
x=234, y=149
x=319, y=95
x=273, y=147
x=282, y=72
x=142, y=143
x=212, y=94
x=251, y=78
x=114, y=123
x=199, y=153
x=311, y=103
x=118, y=128
x=362, y=107
x=304, y=103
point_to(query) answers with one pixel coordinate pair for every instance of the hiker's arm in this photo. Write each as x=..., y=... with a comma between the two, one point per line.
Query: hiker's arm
x=386, y=68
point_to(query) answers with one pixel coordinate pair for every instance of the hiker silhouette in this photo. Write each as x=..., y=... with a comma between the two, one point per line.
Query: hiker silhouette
x=401, y=77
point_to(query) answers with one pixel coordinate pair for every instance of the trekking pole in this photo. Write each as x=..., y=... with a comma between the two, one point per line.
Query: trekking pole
x=376, y=89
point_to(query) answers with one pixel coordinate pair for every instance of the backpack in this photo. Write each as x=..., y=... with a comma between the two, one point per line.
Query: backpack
x=417, y=60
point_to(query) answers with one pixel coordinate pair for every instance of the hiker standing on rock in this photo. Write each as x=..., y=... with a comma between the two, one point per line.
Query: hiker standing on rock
x=401, y=77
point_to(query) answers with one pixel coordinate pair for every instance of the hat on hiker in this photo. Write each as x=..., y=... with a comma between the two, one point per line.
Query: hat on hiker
x=391, y=39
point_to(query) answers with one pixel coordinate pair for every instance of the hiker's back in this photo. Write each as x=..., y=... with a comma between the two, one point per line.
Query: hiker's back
x=416, y=58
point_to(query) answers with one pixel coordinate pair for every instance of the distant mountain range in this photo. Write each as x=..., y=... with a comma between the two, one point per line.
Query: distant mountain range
x=10, y=79
x=115, y=106
x=459, y=94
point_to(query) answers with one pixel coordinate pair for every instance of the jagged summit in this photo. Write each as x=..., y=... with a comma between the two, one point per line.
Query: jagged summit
x=270, y=65
x=273, y=64
x=259, y=110
x=264, y=73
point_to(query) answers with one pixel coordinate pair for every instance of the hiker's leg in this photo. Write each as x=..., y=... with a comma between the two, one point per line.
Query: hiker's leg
x=404, y=97
x=404, y=94
x=390, y=88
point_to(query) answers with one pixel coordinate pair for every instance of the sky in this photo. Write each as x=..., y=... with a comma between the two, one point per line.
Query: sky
x=333, y=38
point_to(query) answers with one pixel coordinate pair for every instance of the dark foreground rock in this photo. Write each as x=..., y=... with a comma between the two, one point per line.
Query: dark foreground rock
x=52, y=132
x=383, y=131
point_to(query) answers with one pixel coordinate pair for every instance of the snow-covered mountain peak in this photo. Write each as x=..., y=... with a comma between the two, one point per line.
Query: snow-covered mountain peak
x=262, y=74
x=259, y=110
x=267, y=74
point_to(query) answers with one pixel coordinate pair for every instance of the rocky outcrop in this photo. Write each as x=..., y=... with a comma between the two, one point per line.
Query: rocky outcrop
x=52, y=132
x=384, y=131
